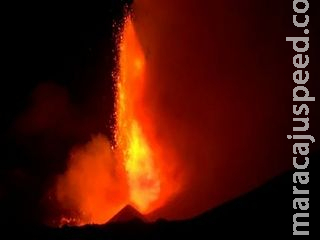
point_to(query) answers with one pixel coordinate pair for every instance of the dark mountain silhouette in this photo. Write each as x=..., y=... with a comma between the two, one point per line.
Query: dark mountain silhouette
x=127, y=214
x=266, y=211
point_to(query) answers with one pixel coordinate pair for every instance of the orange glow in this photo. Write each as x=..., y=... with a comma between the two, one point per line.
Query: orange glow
x=101, y=178
x=143, y=177
x=93, y=186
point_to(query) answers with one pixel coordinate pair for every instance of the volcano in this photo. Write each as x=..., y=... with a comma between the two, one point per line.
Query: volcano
x=127, y=214
x=262, y=211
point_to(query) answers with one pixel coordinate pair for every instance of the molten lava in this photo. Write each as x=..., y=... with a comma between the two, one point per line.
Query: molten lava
x=101, y=179
x=143, y=178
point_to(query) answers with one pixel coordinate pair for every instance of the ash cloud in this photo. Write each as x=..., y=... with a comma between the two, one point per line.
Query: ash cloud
x=94, y=184
x=71, y=155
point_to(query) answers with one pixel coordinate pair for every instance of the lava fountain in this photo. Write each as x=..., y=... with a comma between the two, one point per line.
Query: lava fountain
x=132, y=142
x=101, y=178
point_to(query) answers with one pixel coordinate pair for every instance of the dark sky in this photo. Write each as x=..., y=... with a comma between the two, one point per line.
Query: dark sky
x=56, y=91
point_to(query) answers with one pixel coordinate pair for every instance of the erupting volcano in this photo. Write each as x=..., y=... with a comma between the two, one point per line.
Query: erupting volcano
x=141, y=119
x=150, y=176
x=101, y=178
x=136, y=152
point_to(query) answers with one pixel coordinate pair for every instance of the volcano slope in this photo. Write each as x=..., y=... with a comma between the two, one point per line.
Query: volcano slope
x=266, y=210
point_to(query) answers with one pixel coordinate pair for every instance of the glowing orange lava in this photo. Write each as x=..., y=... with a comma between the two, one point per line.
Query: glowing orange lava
x=138, y=157
x=101, y=178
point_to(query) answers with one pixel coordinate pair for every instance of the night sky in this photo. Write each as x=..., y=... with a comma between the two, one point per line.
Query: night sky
x=56, y=92
x=221, y=94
